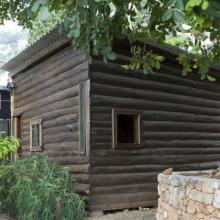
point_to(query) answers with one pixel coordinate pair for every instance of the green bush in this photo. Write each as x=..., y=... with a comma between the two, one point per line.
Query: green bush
x=8, y=145
x=34, y=189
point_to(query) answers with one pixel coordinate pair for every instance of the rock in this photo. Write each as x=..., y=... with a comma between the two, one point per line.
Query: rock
x=198, y=186
x=216, y=202
x=200, y=216
x=177, y=194
x=168, y=171
x=162, y=187
x=216, y=214
x=191, y=208
x=201, y=196
x=166, y=196
x=206, y=188
x=210, y=208
x=172, y=214
x=187, y=216
x=165, y=215
x=201, y=207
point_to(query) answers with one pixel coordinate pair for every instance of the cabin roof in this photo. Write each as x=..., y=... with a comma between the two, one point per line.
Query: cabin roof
x=55, y=40
x=33, y=53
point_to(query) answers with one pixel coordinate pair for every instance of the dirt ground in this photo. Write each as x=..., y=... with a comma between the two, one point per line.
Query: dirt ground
x=146, y=214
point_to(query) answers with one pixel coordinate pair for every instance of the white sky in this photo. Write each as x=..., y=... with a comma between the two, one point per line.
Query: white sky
x=10, y=27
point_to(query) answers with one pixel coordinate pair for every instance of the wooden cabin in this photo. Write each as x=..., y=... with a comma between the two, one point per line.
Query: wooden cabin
x=5, y=111
x=115, y=129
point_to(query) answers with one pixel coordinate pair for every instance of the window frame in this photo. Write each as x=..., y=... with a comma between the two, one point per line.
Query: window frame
x=138, y=114
x=40, y=147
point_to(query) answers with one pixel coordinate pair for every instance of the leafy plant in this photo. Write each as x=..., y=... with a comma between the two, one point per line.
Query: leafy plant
x=8, y=145
x=36, y=189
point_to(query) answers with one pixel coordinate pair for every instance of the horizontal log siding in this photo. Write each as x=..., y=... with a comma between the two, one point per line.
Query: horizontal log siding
x=181, y=129
x=50, y=91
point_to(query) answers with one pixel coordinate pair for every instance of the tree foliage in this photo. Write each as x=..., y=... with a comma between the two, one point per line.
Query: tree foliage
x=99, y=22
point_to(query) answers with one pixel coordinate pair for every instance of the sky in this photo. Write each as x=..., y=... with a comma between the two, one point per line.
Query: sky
x=12, y=28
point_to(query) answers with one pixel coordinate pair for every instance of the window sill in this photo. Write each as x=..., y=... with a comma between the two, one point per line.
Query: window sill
x=36, y=150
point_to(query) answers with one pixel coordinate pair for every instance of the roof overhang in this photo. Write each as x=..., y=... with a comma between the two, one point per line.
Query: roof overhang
x=36, y=52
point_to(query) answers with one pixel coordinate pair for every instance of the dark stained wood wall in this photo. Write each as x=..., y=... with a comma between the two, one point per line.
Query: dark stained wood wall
x=50, y=91
x=181, y=129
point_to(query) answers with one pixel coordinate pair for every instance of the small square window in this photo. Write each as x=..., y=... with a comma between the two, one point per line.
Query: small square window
x=126, y=129
x=36, y=135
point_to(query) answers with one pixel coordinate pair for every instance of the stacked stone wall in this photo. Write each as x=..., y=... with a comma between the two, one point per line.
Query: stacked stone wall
x=188, y=196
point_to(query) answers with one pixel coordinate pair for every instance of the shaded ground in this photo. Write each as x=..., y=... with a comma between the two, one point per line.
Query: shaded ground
x=147, y=214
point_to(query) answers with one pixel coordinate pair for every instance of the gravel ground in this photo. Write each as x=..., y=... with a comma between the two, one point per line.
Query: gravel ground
x=147, y=214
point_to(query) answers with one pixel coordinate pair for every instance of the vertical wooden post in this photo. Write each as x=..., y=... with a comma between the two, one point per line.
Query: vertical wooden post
x=84, y=117
x=87, y=116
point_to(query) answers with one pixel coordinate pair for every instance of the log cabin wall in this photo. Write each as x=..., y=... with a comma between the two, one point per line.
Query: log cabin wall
x=49, y=91
x=180, y=119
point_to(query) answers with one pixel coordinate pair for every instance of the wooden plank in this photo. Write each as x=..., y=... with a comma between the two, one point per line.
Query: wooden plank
x=82, y=140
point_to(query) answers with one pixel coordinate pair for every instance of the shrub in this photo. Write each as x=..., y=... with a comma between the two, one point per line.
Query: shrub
x=8, y=145
x=35, y=189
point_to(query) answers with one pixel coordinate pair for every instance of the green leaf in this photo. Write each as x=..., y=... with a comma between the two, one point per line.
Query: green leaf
x=76, y=32
x=178, y=16
x=35, y=7
x=106, y=49
x=167, y=15
x=160, y=58
x=172, y=2
x=205, y=5
x=111, y=56
x=143, y=3
x=44, y=13
x=180, y=5
x=112, y=6
x=193, y=3
x=211, y=78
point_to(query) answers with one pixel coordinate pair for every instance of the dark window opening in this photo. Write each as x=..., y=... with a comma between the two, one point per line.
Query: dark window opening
x=126, y=128
x=35, y=135
x=126, y=132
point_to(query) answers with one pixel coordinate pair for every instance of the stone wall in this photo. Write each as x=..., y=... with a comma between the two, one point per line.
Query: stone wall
x=188, y=196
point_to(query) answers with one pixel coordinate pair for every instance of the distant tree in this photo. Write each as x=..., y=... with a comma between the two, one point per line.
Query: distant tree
x=99, y=22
